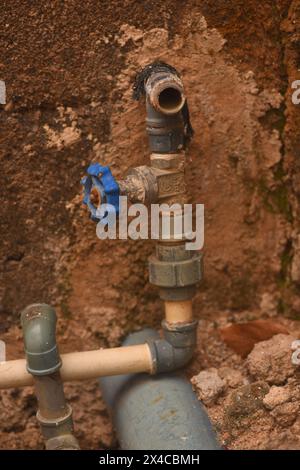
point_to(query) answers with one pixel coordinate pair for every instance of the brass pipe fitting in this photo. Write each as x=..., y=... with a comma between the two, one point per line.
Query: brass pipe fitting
x=140, y=185
x=162, y=182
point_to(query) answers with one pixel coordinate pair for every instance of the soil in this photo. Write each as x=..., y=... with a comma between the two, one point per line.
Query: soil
x=68, y=69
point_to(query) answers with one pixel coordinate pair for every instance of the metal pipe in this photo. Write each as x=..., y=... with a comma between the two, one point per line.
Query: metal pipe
x=157, y=412
x=164, y=91
x=173, y=269
x=83, y=365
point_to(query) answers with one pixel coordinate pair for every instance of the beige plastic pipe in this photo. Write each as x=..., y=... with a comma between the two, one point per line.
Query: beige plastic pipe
x=84, y=365
x=179, y=312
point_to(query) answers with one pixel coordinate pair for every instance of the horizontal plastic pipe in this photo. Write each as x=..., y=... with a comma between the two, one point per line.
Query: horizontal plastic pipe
x=157, y=412
x=84, y=365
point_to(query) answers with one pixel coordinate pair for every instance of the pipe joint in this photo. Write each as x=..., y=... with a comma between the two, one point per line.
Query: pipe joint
x=39, y=323
x=43, y=362
x=175, y=273
x=166, y=358
x=55, y=427
x=181, y=335
x=176, y=349
x=168, y=122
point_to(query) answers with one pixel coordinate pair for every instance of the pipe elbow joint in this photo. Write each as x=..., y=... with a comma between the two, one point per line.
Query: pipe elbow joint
x=176, y=349
x=168, y=124
x=39, y=325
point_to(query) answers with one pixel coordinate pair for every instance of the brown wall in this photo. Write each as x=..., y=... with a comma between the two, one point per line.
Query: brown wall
x=68, y=68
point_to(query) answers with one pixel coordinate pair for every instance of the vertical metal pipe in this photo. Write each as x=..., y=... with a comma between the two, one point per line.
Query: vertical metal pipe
x=173, y=269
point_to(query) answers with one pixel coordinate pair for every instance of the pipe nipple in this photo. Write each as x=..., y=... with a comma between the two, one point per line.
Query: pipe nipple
x=165, y=93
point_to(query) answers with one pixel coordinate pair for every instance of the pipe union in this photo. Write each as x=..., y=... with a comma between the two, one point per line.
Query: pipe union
x=175, y=273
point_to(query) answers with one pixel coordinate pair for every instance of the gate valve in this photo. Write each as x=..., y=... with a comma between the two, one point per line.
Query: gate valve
x=100, y=179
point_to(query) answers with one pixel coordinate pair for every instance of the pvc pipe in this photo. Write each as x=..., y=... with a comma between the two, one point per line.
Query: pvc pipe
x=157, y=412
x=51, y=398
x=179, y=311
x=54, y=414
x=84, y=365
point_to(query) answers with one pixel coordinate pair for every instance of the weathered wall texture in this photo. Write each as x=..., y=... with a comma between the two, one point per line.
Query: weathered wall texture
x=68, y=69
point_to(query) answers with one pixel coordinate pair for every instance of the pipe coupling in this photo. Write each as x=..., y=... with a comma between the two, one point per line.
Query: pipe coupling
x=57, y=426
x=39, y=324
x=180, y=335
x=58, y=433
x=179, y=273
x=176, y=278
x=176, y=349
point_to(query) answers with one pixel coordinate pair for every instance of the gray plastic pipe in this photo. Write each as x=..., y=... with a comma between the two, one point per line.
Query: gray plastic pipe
x=157, y=412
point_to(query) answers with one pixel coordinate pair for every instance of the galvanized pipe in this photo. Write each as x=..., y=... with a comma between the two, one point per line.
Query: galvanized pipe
x=164, y=91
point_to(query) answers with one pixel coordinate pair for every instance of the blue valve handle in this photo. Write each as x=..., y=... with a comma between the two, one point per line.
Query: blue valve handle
x=101, y=178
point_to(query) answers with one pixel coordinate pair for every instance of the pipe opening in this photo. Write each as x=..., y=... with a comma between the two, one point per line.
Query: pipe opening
x=170, y=100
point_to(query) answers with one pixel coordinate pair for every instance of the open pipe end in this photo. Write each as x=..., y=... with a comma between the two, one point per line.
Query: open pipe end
x=165, y=93
x=170, y=100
